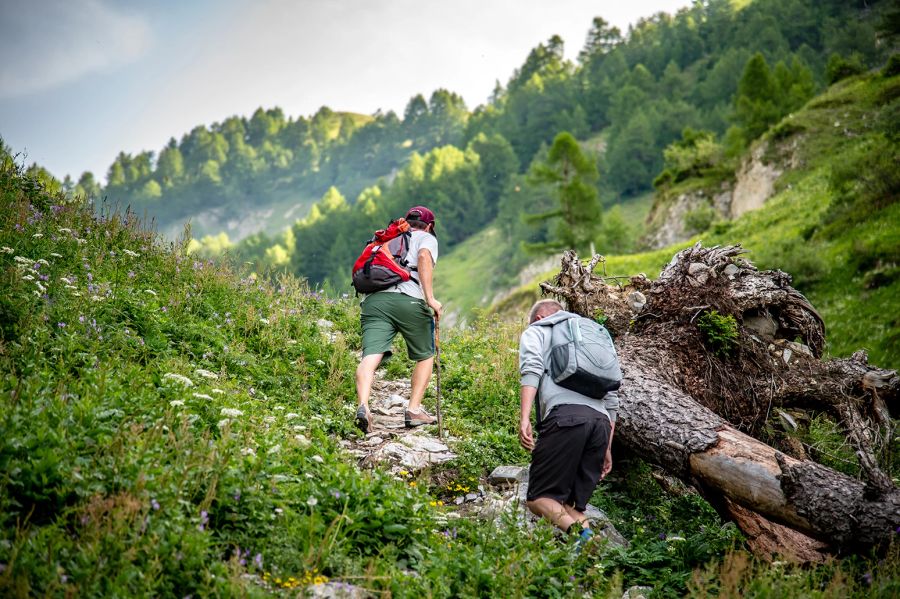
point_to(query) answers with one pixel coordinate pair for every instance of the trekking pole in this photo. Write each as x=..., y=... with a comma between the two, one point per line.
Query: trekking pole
x=437, y=360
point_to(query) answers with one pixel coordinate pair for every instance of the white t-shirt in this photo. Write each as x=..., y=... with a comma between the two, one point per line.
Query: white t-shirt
x=418, y=240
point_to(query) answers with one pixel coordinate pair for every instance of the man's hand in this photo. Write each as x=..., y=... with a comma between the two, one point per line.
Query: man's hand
x=436, y=306
x=526, y=439
x=607, y=464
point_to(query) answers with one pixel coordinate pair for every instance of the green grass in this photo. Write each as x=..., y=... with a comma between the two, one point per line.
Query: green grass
x=117, y=478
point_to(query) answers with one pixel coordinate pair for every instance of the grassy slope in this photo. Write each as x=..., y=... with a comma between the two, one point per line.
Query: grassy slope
x=789, y=232
x=117, y=479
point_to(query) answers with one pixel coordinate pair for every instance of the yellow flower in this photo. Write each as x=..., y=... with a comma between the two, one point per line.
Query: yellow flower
x=412, y=484
x=440, y=502
x=432, y=503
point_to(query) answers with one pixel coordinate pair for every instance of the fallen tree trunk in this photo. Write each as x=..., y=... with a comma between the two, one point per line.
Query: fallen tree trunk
x=692, y=410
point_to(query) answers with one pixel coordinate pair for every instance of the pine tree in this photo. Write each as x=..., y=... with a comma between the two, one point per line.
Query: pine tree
x=573, y=175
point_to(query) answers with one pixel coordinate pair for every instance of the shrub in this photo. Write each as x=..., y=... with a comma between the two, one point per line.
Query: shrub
x=699, y=219
x=839, y=68
x=720, y=332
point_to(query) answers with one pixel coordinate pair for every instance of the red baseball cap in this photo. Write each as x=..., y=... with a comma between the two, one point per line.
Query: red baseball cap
x=420, y=213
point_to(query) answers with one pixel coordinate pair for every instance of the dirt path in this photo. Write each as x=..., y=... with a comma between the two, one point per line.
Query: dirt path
x=390, y=444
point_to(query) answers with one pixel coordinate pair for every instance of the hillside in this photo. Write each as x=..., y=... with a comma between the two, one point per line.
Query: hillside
x=832, y=219
x=170, y=426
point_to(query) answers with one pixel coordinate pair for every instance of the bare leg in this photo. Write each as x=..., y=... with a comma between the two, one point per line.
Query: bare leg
x=577, y=516
x=365, y=376
x=554, y=511
x=420, y=377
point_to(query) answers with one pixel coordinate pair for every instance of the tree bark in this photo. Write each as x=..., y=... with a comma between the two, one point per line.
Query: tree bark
x=692, y=410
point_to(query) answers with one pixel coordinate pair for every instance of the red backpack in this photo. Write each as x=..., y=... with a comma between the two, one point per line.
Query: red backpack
x=383, y=263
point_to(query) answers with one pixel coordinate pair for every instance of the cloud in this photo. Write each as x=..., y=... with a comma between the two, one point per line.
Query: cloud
x=46, y=43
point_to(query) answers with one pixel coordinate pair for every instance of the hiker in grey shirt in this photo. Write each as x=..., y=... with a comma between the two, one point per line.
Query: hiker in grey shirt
x=572, y=452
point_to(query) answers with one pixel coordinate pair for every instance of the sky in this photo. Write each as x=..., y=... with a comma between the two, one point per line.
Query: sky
x=82, y=80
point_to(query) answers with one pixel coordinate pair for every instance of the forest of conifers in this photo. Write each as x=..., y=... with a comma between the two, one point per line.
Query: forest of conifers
x=719, y=71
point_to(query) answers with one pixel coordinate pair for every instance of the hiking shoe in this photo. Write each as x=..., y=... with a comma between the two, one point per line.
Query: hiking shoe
x=583, y=539
x=418, y=418
x=363, y=419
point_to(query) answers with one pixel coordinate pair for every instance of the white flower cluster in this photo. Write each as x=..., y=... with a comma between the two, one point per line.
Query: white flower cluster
x=207, y=374
x=130, y=253
x=231, y=412
x=7, y=250
x=178, y=378
x=176, y=403
x=202, y=396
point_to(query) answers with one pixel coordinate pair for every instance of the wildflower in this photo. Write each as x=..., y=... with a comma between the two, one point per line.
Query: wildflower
x=204, y=520
x=223, y=423
x=43, y=262
x=248, y=451
x=320, y=362
x=38, y=235
x=154, y=504
x=279, y=408
x=269, y=420
x=312, y=501
x=61, y=325
x=412, y=483
x=302, y=440
x=150, y=291
x=130, y=253
x=28, y=277
x=274, y=449
x=55, y=255
x=131, y=274
x=291, y=416
x=201, y=396
x=258, y=560
x=178, y=378
x=217, y=391
x=64, y=230
x=81, y=241
x=231, y=412
x=22, y=261
x=7, y=250
x=676, y=538
x=206, y=374
x=264, y=320
x=175, y=403
x=318, y=459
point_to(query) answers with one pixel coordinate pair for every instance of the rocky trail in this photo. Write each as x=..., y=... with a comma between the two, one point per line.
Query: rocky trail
x=409, y=452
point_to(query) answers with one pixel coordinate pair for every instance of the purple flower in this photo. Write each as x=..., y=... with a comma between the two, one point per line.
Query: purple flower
x=131, y=274
x=61, y=325
x=237, y=495
x=44, y=277
x=204, y=520
x=90, y=277
x=63, y=578
x=154, y=504
x=37, y=266
x=258, y=561
x=662, y=536
x=165, y=309
x=867, y=578
x=19, y=227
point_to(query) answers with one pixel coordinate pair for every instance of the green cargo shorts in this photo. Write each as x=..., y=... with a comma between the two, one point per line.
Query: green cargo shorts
x=386, y=313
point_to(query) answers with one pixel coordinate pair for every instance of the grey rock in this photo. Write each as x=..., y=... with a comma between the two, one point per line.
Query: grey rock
x=471, y=496
x=423, y=443
x=764, y=325
x=382, y=411
x=459, y=500
x=371, y=441
x=695, y=268
x=395, y=401
x=636, y=301
x=798, y=347
x=637, y=592
x=786, y=356
x=508, y=475
x=335, y=590
x=731, y=270
x=787, y=421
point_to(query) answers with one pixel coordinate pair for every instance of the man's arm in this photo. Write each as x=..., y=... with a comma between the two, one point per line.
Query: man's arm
x=607, y=459
x=426, y=272
x=526, y=400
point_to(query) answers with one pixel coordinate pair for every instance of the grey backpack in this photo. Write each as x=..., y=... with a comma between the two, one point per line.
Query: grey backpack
x=583, y=357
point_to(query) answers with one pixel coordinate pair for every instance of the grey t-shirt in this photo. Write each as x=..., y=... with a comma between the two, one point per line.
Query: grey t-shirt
x=418, y=240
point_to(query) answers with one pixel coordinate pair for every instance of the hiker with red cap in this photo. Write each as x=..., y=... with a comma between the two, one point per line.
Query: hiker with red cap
x=395, y=276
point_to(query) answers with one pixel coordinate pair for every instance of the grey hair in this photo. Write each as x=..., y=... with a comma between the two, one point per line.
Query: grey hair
x=544, y=307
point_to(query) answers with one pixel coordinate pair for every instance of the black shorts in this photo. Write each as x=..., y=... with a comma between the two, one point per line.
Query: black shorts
x=568, y=456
